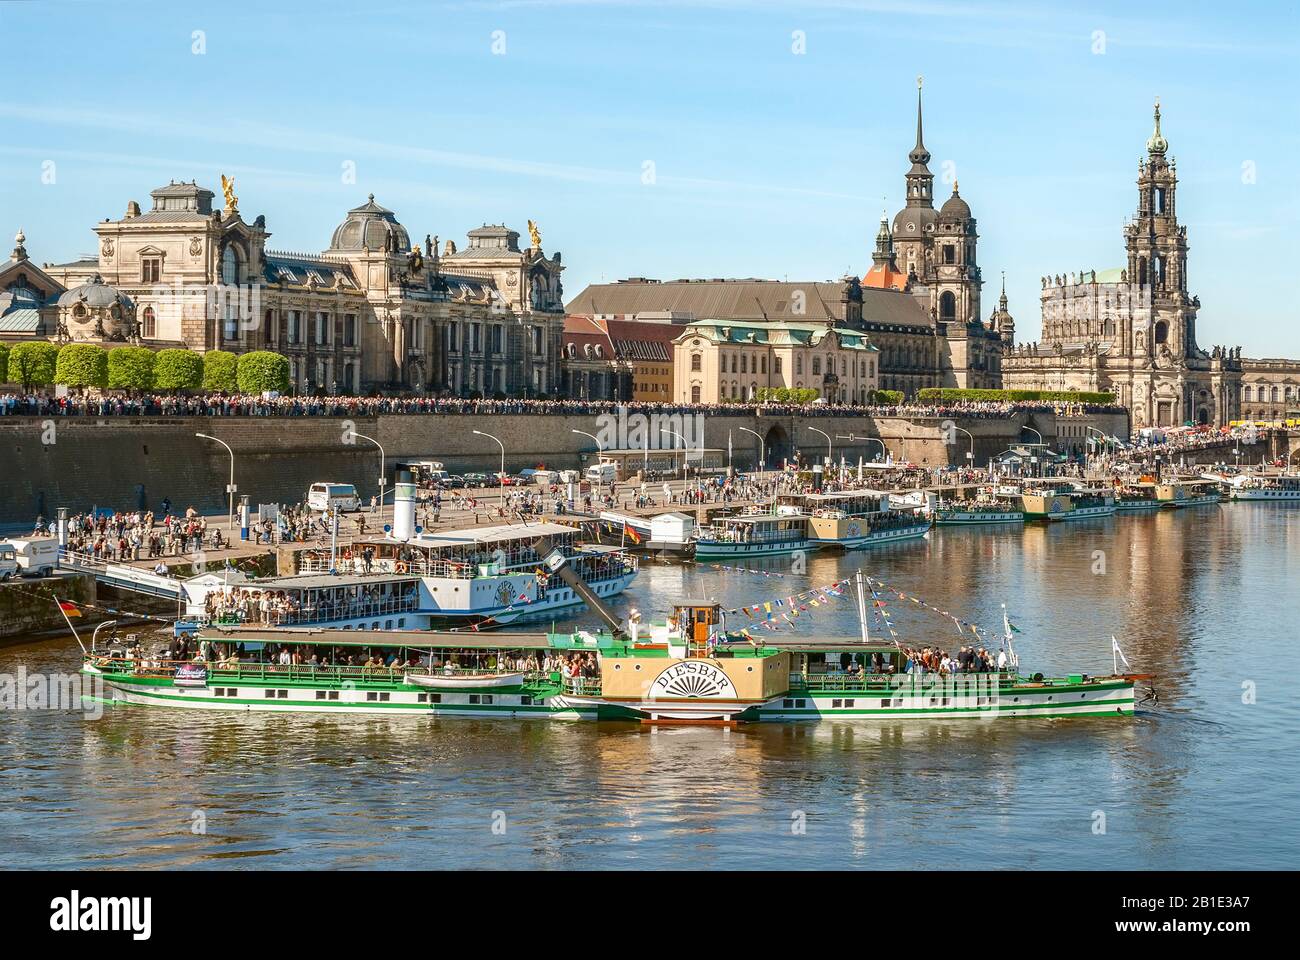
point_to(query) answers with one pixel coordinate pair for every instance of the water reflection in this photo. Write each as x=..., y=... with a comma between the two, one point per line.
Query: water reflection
x=1200, y=597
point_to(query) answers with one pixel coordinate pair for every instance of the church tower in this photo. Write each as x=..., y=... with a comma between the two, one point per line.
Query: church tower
x=1001, y=322
x=914, y=225
x=1157, y=253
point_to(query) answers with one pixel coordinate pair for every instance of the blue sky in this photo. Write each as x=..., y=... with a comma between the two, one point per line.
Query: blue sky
x=766, y=162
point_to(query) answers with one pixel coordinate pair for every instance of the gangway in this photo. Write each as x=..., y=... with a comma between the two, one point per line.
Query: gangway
x=125, y=577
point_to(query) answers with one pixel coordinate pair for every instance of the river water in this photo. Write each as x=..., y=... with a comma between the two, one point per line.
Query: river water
x=1203, y=597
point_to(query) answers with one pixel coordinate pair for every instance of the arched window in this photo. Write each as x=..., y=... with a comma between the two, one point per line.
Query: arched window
x=763, y=360
x=817, y=366
x=947, y=306
x=1161, y=332
x=798, y=365
x=148, y=324
x=695, y=362
x=229, y=265
x=695, y=393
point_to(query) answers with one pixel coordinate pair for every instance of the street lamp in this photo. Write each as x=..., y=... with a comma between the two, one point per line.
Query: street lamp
x=230, y=487
x=762, y=449
x=501, y=477
x=600, y=447
x=828, y=442
x=971, y=454
x=687, y=447
x=383, y=463
x=884, y=451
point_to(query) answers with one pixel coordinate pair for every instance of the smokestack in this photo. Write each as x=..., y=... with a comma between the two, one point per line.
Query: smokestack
x=403, y=507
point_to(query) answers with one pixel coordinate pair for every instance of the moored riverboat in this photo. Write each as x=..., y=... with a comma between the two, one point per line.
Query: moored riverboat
x=754, y=535
x=854, y=519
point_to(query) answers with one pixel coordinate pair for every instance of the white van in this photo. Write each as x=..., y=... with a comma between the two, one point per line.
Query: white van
x=333, y=496
x=36, y=558
x=606, y=472
x=545, y=478
x=8, y=561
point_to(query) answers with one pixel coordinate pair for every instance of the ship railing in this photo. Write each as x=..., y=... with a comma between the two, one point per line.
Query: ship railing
x=891, y=682
x=320, y=613
x=233, y=671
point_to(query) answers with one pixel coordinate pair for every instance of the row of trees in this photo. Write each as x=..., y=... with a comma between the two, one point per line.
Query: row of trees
x=39, y=363
x=954, y=395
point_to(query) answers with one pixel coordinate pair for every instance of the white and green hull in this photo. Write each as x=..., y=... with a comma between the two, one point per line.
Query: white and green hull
x=716, y=549
x=955, y=518
x=873, y=538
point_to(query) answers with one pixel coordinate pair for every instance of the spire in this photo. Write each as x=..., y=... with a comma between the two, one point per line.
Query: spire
x=1157, y=144
x=884, y=254
x=919, y=154
x=1002, y=300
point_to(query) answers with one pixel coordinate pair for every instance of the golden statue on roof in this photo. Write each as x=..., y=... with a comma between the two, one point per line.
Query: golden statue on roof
x=534, y=234
x=228, y=188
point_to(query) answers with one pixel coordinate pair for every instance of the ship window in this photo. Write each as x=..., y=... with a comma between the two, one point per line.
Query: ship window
x=371, y=695
x=320, y=694
x=385, y=697
x=525, y=701
x=787, y=703
x=849, y=703
x=282, y=694
x=421, y=698
x=886, y=702
x=473, y=698
x=269, y=694
x=435, y=698
x=836, y=704
x=487, y=698
x=800, y=704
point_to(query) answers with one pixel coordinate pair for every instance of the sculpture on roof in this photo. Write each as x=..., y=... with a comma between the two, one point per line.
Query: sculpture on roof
x=450, y=248
x=534, y=234
x=228, y=189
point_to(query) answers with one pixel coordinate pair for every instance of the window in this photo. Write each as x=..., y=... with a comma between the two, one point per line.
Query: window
x=763, y=361
x=798, y=365
x=696, y=363
x=151, y=269
x=947, y=306
x=1161, y=332
x=148, y=324
x=949, y=253
x=695, y=393
x=350, y=330
x=229, y=266
x=776, y=364
x=817, y=366
x=321, y=329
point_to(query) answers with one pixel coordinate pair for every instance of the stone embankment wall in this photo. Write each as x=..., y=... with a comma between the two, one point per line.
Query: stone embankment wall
x=128, y=462
x=26, y=607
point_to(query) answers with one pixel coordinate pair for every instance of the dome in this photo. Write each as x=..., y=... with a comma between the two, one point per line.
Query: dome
x=96, y=295
x=914, y=222
x=955, y=208
x=373, y=227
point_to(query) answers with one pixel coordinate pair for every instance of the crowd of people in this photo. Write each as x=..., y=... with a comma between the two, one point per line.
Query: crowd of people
x=124, y=536
x=259, y=405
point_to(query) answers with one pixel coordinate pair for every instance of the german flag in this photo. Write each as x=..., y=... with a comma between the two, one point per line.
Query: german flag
x=631, y=534
x=69, y=609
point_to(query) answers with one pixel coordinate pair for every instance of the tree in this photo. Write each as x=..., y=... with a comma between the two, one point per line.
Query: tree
x=32, y=363
x=262, y=371
x=130, y=368
x=82, y=365
x=219, y=371
x=4, y=363
x=177, y=369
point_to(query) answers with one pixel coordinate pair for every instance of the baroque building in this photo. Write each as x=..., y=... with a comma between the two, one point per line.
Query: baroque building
x=918, y=304
x=1131, y=330
x=372, y=312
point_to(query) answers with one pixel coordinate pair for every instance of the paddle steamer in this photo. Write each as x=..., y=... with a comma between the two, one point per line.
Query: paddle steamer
x=688, y=669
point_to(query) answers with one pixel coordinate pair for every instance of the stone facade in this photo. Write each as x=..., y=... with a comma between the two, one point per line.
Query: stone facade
x=1131, y=331
x=372, y=312
x=716, y=361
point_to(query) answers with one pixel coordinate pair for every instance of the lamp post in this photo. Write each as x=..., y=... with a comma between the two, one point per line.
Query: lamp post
x=852, y=438
x=686, y=456
x=230, y=487
x=383, y=464
x=762, y=449
x=501, y=477
x=971, y=453
x=600, y=447
x=828, y=442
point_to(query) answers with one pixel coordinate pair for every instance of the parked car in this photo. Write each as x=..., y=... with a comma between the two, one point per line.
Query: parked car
x=478, y=480
x=452, y=482
x=333, y=496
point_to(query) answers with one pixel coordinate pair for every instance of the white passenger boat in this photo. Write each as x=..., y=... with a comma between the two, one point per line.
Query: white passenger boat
x=754, y=535
x=854, y=519
x=1274, y=489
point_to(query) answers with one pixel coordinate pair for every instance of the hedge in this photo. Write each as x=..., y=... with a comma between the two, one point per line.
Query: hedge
x=131, y=368
x=261, y=371
x=219, y=371
x=82, y=365
x=886, y=398
x=177, y=369
x=4, y=364
x=32, y=363
x=951, y=395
